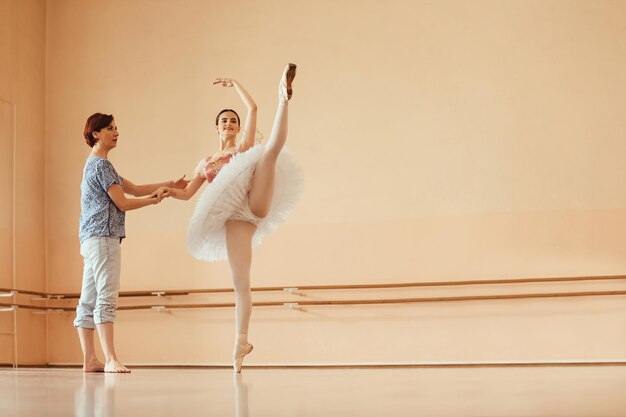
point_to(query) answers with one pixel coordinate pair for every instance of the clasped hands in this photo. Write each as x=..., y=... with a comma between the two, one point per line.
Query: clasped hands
x=164, y=192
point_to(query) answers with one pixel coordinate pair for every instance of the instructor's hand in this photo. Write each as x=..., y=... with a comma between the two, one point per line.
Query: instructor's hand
x=161, y=193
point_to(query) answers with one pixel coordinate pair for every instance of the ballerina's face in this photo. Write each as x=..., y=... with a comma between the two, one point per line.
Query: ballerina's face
x=227, y=124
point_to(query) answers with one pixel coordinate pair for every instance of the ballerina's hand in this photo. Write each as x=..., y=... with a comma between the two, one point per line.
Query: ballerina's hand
x=226, y=82
x=181, y=183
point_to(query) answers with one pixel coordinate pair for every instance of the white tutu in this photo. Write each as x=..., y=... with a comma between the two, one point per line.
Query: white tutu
x=227, y=194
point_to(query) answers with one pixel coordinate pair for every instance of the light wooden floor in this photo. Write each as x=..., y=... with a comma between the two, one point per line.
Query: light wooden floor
x=536, y=391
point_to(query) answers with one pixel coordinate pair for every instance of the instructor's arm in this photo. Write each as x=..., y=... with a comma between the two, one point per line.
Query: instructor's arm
x=116, y=193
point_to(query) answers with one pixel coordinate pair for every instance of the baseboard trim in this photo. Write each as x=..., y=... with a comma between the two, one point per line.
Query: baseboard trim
x=496, y=364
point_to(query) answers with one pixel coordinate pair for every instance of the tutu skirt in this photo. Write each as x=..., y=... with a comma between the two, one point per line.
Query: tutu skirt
x=226, y=198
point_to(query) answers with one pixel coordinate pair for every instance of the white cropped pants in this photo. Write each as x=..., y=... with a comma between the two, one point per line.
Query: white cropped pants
x=101, y=281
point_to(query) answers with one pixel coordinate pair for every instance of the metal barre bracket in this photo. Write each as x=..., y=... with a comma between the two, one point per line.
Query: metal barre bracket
x=158, y=308
x=8, y=294
x=291, y=290
x=158, y=293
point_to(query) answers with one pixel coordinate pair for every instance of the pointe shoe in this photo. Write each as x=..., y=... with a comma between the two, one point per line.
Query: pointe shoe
x=241, y=350
x=284, y=88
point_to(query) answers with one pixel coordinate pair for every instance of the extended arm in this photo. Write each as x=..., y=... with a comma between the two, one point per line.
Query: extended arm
x=147, y=189
x=249, y=125
x=123, y=203
x=192, y=187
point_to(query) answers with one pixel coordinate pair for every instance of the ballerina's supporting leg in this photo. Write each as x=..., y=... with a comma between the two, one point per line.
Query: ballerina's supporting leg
x=262, y=187
x=239, y=245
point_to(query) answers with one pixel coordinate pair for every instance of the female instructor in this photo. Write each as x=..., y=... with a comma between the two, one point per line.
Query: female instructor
x=103, y=206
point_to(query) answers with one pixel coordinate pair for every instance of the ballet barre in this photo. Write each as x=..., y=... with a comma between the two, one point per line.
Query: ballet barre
x=311, y=303
x=301, y=288
x=15, y=306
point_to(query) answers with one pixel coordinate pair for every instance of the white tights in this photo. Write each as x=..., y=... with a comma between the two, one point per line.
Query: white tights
x=239, y=233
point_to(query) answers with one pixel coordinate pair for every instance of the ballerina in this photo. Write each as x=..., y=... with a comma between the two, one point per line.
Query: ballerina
x=252, y=188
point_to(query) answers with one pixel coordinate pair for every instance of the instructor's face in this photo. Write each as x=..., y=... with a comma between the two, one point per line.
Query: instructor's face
x=107, y=137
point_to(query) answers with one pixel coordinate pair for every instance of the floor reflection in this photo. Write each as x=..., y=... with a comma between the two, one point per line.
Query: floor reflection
x=96, y=396
x=241, y=396
x=467, y=392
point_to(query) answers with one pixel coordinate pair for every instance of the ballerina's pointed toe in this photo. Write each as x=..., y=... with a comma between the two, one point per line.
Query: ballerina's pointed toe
x=285, y=89
x=241, y=350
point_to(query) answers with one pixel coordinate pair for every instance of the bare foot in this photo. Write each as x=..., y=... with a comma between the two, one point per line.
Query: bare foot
x=93, y=366
x=116, y=367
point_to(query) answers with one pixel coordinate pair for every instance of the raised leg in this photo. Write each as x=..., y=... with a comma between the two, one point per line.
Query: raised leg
x=262, y=187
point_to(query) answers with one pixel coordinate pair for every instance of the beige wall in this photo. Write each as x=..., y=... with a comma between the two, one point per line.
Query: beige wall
x=22, y=243
x=440, y=141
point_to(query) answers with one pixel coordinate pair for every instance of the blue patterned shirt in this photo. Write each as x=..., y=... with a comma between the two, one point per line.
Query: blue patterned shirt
x=99, y=216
